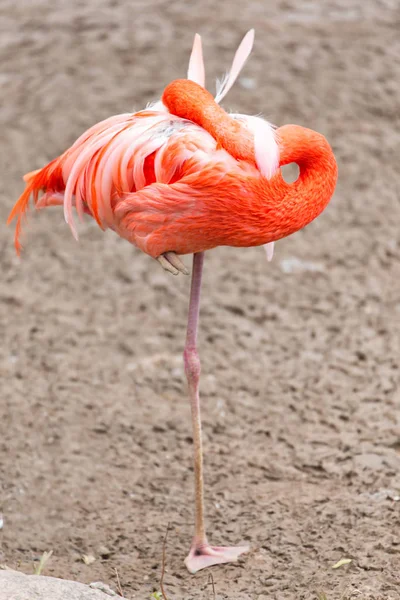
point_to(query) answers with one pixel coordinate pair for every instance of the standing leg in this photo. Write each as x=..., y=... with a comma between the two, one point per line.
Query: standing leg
x=201, y=554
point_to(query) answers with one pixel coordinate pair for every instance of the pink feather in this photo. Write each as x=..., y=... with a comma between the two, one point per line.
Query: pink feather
x=241, y=55
x=196, y=70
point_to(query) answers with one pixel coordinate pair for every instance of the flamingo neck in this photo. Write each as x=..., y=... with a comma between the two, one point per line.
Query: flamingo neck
x=279, y=208
x=188, y=100
x=309, y=195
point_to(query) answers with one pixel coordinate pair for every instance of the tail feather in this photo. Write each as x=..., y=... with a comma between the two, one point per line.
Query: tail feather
x=34, y=182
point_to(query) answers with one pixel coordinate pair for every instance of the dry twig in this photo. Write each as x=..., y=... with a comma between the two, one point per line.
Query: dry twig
x=119, y=588
x=164, y=595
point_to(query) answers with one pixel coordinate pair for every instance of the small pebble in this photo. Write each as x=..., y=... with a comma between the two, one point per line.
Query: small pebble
x=104, y=552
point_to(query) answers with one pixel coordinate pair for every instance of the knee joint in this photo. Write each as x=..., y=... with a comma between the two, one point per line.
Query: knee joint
x=192, y=363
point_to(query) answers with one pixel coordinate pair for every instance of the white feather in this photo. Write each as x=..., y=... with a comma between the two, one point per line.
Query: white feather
x=242, y=54
x=139, y=134
x=157, y=106
x=269, y=250
x=81, y=162
x=196, y=70
x=266, y=148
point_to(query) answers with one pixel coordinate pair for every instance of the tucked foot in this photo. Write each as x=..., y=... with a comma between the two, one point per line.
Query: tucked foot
x=204, y=556
x=172, y=263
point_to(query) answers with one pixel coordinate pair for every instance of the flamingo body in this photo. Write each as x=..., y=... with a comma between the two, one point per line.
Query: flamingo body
x=164, y=183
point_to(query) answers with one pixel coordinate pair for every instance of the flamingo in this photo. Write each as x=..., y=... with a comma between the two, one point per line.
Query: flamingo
x=182, y=177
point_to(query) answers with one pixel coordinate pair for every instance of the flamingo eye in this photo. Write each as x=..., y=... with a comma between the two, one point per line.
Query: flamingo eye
x=290, y=172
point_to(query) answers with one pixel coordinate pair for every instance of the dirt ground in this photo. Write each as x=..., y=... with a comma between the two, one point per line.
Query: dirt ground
x=300, y=381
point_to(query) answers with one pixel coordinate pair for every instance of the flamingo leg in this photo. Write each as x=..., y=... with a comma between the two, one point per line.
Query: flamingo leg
x=201, y=554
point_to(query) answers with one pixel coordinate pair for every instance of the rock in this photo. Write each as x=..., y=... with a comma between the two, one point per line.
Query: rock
x=18, y=586
x=103, y=587
x=104, y=552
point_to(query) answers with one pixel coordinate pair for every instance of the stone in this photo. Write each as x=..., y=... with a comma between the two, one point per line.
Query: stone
x=104, y=552
x=18, y=586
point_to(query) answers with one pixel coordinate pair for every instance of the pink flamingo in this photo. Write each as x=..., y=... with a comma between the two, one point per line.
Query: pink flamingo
x=182, y=177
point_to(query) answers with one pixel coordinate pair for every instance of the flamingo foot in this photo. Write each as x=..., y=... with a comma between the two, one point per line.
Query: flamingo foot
x=172, y=263
x=202, y=556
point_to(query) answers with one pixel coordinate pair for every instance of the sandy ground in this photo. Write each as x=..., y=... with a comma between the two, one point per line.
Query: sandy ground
x=300, y=386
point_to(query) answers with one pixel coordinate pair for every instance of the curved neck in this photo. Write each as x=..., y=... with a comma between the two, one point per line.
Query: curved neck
x=188, y=100
x=281, y=208
x=307, y=197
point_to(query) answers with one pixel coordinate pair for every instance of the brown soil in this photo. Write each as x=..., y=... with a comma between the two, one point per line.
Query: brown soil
x=300, y=382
